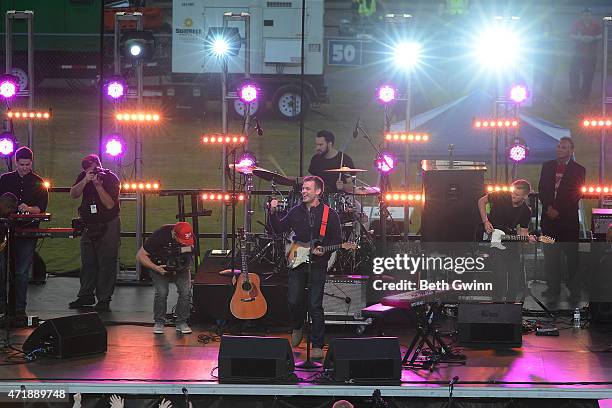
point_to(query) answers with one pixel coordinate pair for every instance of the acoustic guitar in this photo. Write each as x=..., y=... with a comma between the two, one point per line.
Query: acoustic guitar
x=247, y=302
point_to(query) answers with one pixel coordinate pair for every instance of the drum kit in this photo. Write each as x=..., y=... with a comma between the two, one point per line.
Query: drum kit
x=270, y=246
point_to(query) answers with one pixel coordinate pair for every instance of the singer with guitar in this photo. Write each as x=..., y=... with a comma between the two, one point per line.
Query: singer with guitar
x=310, y=221
x=508, y=209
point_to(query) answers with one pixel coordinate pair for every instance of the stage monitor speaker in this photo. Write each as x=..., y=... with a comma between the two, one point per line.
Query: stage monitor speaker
x=365, y=359
x=253, y=359
x=450, y=212
x=490, y=324
x=70, y=336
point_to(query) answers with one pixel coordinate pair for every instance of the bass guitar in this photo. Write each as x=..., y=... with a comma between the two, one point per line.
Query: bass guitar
x=247, y=302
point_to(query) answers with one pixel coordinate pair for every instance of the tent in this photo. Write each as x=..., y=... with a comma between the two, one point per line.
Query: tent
x=452, y=124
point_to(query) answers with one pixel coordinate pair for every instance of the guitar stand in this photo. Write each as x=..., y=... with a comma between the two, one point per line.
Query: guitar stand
x=439, y=352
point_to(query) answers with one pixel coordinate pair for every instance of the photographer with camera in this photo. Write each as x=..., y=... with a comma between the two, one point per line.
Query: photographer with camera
x=99, y=213
x=168, y=254
x=32, y=197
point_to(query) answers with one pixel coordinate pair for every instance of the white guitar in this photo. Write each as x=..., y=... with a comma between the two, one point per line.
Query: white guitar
x=299, y=252
x=497, y=236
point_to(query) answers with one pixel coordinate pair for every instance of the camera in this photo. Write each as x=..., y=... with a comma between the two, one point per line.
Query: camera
x=98, y=171
x=176, y=257
x=79, y=226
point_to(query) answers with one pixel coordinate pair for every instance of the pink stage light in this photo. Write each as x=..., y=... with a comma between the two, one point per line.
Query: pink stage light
x=115, y=89
x=114, y=147
x=519, y=93
x=518, y=153
x=9, y=86
x=248, y=93
x=386, y=94
x=7, y=145
x=385, y=162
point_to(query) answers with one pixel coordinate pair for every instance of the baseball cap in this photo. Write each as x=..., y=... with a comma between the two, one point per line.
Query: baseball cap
x=184, y=233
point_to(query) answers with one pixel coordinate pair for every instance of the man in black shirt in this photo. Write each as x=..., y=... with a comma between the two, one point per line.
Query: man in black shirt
x=507, y=211
x=326, y=158
x=305, y=220
x=99, y=210
x=32, y=197
x=168, y=254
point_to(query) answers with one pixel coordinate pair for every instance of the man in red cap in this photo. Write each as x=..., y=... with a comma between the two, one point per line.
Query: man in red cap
x=167, y=253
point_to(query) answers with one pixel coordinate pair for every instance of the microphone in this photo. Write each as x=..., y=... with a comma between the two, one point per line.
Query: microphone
x=356, y=130
x=258, y=127
x=453, y=381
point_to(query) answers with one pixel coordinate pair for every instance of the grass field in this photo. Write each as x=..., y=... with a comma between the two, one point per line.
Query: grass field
x=174, y=155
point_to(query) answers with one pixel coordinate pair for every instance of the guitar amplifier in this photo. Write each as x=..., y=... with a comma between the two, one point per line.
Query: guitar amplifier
x=343, y=298
x=601, y=219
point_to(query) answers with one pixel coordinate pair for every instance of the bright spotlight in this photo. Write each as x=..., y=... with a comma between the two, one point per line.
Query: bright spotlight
x=115, y=88
x=518, y=93
x=9, y=86
x=223, y=41
x=248, y=93
x=7, y=145
x=135, y=50
x=220, y=47
x=246, y=159
x=407, y=54
x=498, y=47
x=518, y=151
x=386, y=94
x=385, y=162
x=114, y=146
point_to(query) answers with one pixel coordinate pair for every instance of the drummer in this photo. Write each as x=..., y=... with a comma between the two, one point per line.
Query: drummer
x=326, y=158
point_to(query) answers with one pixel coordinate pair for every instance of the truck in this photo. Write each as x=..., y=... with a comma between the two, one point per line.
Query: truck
x=68, y=35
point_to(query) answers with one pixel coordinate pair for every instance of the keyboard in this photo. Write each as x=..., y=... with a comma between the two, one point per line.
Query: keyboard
x=44, y=232
x=409, y=300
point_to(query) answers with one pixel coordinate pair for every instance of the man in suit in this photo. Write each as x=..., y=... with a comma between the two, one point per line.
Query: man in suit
x=559, y=190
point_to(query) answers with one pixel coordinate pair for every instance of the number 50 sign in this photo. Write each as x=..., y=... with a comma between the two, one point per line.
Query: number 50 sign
x=344, y=52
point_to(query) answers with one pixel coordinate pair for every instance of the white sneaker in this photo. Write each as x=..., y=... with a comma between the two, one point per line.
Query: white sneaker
x=183, y=328
x=158, y=328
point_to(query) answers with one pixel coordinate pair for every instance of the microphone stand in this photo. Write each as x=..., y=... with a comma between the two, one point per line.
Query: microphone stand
x=9, y=282
x=308, y=364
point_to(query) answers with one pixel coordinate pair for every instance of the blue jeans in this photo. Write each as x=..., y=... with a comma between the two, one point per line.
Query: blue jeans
x=23, y=250
x=182, y=280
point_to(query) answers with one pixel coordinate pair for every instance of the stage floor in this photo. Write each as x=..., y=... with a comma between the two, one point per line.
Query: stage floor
x=574, y=365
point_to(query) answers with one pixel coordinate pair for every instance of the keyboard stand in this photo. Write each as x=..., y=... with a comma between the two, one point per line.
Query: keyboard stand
x=439, y=352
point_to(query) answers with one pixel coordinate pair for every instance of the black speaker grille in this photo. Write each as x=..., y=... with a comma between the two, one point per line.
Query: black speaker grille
x=371, y=369
x=253, y=368
x=491, y=332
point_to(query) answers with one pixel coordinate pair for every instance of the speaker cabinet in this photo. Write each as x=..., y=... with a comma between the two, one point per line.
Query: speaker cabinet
x=254, y=359
x=365, y=359
x=70, y=336
x=450, y=212
x=344, y=296
x=490, y=324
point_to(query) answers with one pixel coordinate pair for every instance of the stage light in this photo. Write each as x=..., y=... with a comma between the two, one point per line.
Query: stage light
x=47, y=184
x=220, y=139
x=115, y=88
x=138, y=45
x=407, y=54
x=114, y=146
x=134, y=186
x=9, y=86
x=596, y=190
x=404, y=197
x=140, y=117
x=386, y=94
x=385, y=162
x=248, y=92
x=219, y=196
x=222, y=42
x=496, y=123
x=518, y=93
x=597, y=123
x=7, y=144
x=495, y=187
x=246, y=160
x=403, y=137
x=498, y=47
x=518, y=151
x=29, y=114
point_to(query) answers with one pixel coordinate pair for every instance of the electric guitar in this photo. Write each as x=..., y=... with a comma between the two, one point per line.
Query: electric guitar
x=247, y=302
x=497, y=236
x=299, y=252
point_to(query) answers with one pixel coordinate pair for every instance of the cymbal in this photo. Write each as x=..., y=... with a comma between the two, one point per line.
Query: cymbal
x=345, y=169
x=243, y=169
x=366, y=190
x=270, y=175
